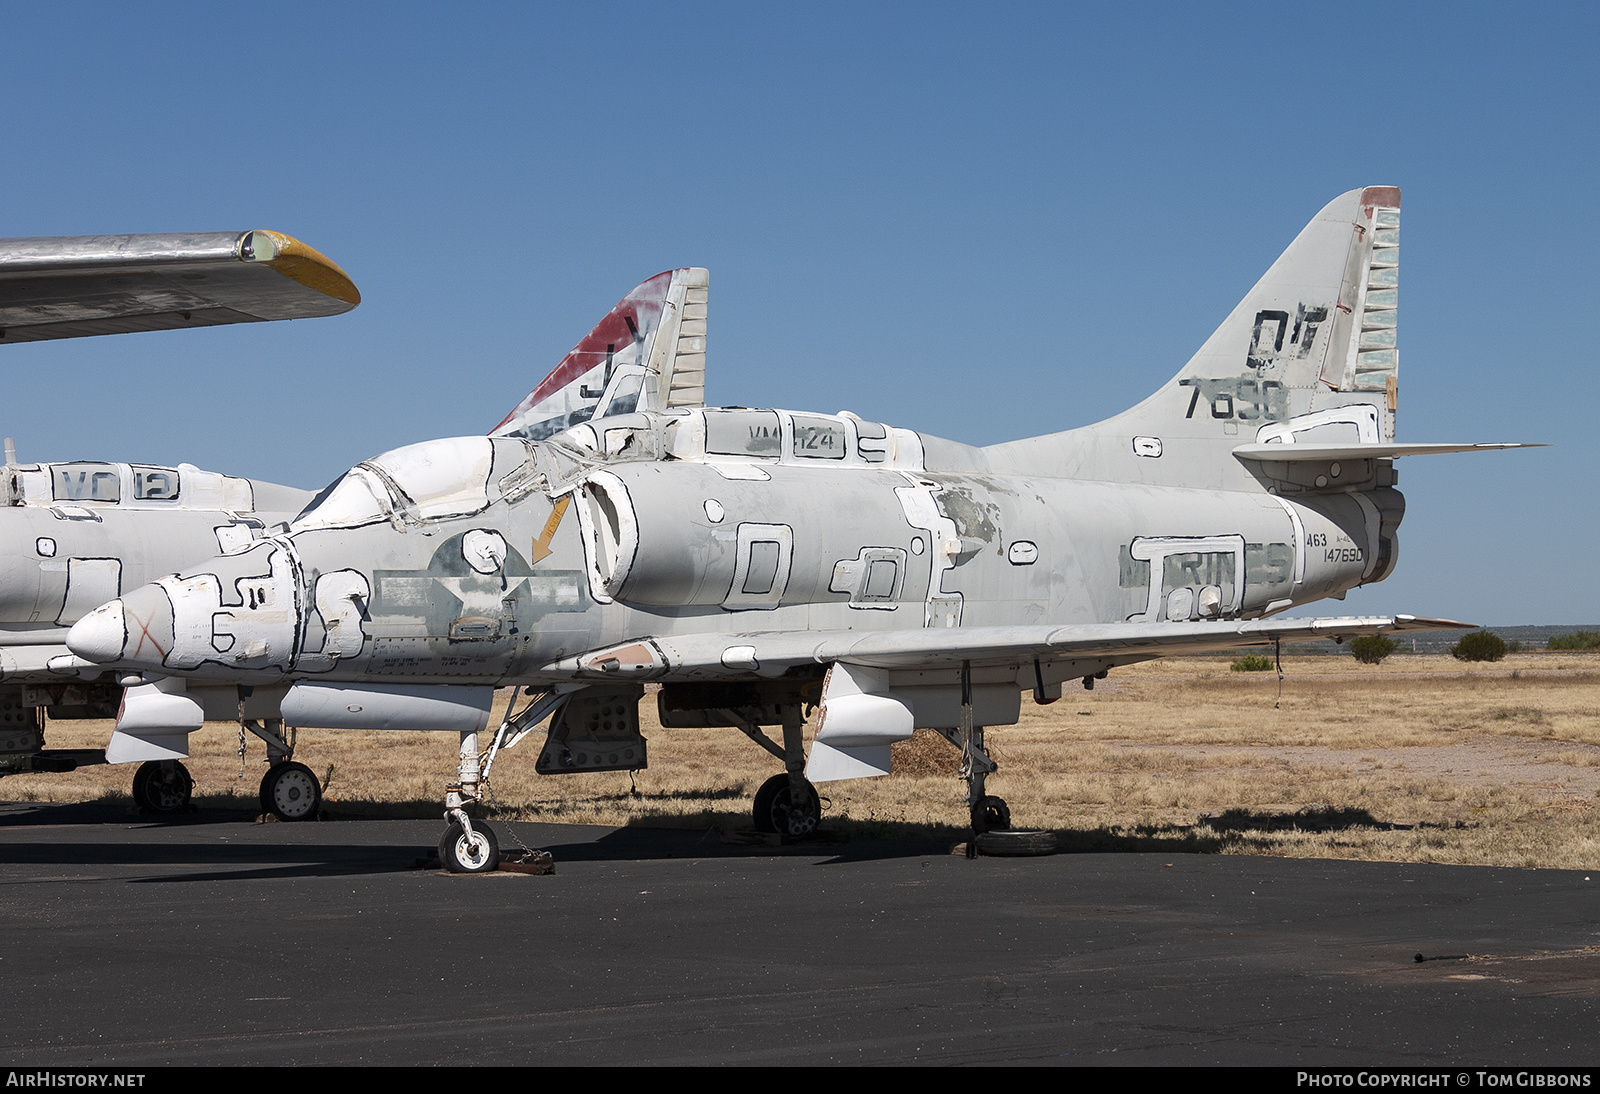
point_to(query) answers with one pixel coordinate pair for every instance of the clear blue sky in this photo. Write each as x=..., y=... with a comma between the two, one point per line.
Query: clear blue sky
x=982, y=221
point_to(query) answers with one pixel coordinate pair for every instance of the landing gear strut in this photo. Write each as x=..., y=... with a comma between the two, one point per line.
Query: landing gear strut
x=466, y=848
x=162, y=786
x=472, y=848
x=989, y=813
x=992, y=833
x=289, y=791
x=786, y=804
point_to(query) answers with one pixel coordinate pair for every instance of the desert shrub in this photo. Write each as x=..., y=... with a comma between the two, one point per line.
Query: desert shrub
x=1373, y=648
x=1479, y=646
x=1577, y=640
x=1252, y=662
x=926, y=753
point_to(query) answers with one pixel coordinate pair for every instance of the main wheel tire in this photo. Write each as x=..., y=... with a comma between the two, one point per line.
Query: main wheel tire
x=991, y=814
x=290, y=792
x=159, y=790
x=477, y=855
x=773, y=812
x=1016, y=842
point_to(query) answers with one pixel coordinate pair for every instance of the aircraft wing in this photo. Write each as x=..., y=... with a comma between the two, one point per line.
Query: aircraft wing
x=883, y=685
x=732, y=655
x=73, y=286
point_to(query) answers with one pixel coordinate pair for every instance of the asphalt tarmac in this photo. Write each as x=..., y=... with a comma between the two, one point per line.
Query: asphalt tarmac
x=215, y=940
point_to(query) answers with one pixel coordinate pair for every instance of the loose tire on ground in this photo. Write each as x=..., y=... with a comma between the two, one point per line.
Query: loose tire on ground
x=1016, y=842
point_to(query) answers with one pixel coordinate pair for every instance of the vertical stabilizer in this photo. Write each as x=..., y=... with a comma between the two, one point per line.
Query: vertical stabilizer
x=1309, y=354
x=648, y=353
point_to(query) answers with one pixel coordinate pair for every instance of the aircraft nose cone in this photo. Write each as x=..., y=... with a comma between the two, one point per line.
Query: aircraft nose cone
x=100, y=635
x=134, y=631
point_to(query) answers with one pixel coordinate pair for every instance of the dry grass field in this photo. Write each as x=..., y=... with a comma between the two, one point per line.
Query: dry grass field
x=1421, y=759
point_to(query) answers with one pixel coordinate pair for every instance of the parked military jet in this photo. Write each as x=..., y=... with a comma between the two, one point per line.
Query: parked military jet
x=758, y=563
x=75, y=534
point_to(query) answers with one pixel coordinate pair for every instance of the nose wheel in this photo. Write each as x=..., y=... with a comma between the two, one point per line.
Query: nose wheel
x=162, y=786
x=290, y=792
x=473, y=850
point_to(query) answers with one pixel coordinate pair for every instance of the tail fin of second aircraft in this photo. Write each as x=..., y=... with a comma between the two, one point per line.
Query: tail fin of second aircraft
x=1309, y=355
x=648, y=353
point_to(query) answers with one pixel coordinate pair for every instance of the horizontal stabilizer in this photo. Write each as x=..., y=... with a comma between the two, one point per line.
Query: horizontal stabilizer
x=1305, y=452
x=75, y=286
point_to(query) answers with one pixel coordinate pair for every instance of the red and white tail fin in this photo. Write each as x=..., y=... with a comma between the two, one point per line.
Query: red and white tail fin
x=648, y=353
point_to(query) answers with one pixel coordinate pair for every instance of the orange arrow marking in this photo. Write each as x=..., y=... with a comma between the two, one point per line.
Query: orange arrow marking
x=541, y=546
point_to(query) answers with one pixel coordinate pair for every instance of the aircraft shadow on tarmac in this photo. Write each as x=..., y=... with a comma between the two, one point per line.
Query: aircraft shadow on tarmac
x=212, y=862
x=221, y=862
x=1212, y=834
x=400, y=844
x=385, y=844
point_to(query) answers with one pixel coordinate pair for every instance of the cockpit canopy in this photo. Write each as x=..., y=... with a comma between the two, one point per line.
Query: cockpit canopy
x=738, y=434
x=421, y=483
x=461, y=476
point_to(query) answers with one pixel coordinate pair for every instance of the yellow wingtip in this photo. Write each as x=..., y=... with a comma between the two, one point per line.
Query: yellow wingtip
x=300, y=262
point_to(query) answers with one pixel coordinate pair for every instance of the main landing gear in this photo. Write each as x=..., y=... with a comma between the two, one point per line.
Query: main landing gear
x=289, y=791
x=786, y=804
x=992, y=833
x=776, y=809
x=989, y=813
x=162, y=786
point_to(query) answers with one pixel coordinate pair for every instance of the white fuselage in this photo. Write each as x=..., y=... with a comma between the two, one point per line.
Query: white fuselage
x=486, y=561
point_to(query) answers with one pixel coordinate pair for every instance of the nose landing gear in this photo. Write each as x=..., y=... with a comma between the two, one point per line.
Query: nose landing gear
x=470, y=850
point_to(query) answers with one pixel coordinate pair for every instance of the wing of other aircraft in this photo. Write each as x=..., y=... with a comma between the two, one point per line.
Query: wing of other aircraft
x=73, y=286
x=648, y=353
x=883, y=685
